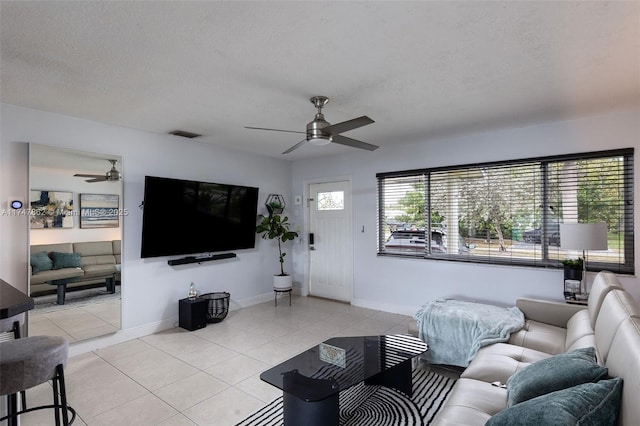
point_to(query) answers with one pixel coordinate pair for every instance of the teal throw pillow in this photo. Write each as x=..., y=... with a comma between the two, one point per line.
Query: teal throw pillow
x=40, y=262
x=558, y=372
x=588, y=404
x=66, y=260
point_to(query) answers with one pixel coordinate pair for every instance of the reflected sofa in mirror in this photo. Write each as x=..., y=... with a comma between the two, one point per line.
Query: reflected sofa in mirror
x=75, y=240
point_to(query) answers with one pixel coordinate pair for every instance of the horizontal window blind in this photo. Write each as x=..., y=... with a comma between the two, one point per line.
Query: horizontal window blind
x=509, y=212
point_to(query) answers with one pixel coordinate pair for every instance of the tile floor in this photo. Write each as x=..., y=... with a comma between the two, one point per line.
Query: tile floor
x=205, y=377
x=77, y=322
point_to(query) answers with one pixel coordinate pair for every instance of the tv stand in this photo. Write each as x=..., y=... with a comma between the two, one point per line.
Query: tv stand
x=200, y=259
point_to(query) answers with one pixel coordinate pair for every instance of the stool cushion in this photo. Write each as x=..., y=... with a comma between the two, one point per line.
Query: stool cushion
x=30, y=361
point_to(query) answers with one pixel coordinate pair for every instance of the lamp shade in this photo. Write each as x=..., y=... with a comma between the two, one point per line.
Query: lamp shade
x=583, y=236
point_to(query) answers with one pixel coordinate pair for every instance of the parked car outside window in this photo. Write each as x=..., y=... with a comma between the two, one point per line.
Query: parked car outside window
x=534, y=236
x=413, y=241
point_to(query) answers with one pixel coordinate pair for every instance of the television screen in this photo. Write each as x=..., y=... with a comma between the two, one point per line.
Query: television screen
x=190, y=217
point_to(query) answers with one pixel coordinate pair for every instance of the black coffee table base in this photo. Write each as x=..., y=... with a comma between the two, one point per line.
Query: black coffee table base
x=326, y=412
x=399, y=378
x=297, y=412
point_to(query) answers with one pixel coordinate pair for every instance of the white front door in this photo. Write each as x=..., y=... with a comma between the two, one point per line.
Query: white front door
x=331, y=254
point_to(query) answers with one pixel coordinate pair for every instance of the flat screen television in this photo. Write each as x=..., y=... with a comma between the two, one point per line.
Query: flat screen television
x=191, y=217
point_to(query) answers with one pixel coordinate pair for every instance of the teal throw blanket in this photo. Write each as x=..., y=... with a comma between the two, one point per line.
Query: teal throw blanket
x=455, y=330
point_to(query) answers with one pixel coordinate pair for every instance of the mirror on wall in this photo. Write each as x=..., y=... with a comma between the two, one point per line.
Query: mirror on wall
x=75, y=240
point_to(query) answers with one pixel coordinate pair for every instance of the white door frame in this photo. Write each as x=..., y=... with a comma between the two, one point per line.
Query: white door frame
x=306, y=228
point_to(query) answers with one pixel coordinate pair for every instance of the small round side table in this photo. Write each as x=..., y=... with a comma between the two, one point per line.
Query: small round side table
x=282, y=290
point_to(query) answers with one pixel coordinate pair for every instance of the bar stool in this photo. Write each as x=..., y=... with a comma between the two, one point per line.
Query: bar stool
x=28, y=362
x=10, y=329
x=12, y=325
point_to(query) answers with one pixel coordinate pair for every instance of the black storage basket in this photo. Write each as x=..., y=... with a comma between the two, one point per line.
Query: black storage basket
x=218, y=305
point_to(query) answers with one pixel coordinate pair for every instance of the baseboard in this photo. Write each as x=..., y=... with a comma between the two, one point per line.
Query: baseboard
x=250, y=301
x=121, y=336
x=386, y=307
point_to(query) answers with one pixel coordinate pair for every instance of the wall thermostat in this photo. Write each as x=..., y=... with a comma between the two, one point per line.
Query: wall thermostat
x=16, y=204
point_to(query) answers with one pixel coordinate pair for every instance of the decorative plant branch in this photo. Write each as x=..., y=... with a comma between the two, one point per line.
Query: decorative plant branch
x=276, y=227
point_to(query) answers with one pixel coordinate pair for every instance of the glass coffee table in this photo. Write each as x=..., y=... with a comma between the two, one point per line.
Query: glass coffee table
x=312, y=380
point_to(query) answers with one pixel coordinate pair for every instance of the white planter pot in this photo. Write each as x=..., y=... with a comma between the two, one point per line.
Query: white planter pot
x=282, y=281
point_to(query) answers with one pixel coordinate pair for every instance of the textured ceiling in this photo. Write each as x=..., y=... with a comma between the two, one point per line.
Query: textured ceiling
x=71, y=159
x=419, y=69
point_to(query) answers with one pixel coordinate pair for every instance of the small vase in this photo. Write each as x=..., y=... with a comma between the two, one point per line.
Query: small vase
x=192, y=292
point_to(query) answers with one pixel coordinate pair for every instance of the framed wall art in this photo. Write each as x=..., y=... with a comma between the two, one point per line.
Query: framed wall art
x=50, y=209
x=99, y=211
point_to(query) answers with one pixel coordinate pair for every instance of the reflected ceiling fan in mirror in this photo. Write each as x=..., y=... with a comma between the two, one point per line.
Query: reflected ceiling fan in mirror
x=112, y=175
x=320, y=132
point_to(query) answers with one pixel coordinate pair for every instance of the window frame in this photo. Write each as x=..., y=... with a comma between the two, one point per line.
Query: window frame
x=424, y=175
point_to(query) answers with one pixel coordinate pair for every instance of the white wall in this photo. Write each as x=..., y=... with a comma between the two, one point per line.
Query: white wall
x=150, y=287
x=403, y=285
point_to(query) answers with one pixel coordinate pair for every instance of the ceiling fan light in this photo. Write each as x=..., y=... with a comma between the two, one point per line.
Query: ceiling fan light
x=320, y=140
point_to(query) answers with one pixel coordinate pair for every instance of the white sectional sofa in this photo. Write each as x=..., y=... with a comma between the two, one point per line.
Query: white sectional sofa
x=610, y=323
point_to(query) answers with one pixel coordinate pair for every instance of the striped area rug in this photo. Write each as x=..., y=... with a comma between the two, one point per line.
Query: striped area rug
x=377, y=405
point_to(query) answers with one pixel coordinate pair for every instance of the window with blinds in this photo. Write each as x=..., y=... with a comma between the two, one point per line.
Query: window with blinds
x=510, y=212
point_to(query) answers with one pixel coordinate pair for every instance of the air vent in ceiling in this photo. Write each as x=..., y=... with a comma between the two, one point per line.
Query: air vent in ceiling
x=184, y=134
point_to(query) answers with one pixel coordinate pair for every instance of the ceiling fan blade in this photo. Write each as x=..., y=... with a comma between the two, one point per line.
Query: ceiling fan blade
x=274, y=130
x=296, y=146
x=89, y=176
x=343, y=140
x=96, y=180
x=336, y=129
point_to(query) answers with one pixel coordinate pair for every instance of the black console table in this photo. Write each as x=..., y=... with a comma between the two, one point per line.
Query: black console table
x=12, y=301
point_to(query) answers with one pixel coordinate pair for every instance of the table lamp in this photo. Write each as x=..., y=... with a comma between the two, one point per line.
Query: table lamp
x=583, y=236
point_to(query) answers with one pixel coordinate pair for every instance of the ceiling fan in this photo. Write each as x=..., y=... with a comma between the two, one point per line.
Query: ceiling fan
x=112, y=175
x=320, y=132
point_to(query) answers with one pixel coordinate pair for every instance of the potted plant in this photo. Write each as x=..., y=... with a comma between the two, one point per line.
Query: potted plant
x=276, y=227
x=275, y=204
x=275, y=207
x=573, y=269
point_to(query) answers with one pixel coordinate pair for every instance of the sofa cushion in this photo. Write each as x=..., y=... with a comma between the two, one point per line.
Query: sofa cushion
x=50, y=248
x=624, y=362
x=105, y=259
x=66, y=260
x=540, y=337
x=617, y=306
x=54, y=275
x=558, y=372
x=588, y=341
x=603, y=283
x=470, y=403
x=578, y=326
x=93, y=248
x=40, y=262
x=595, y=404
x=100, y=270
x=496, y=363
